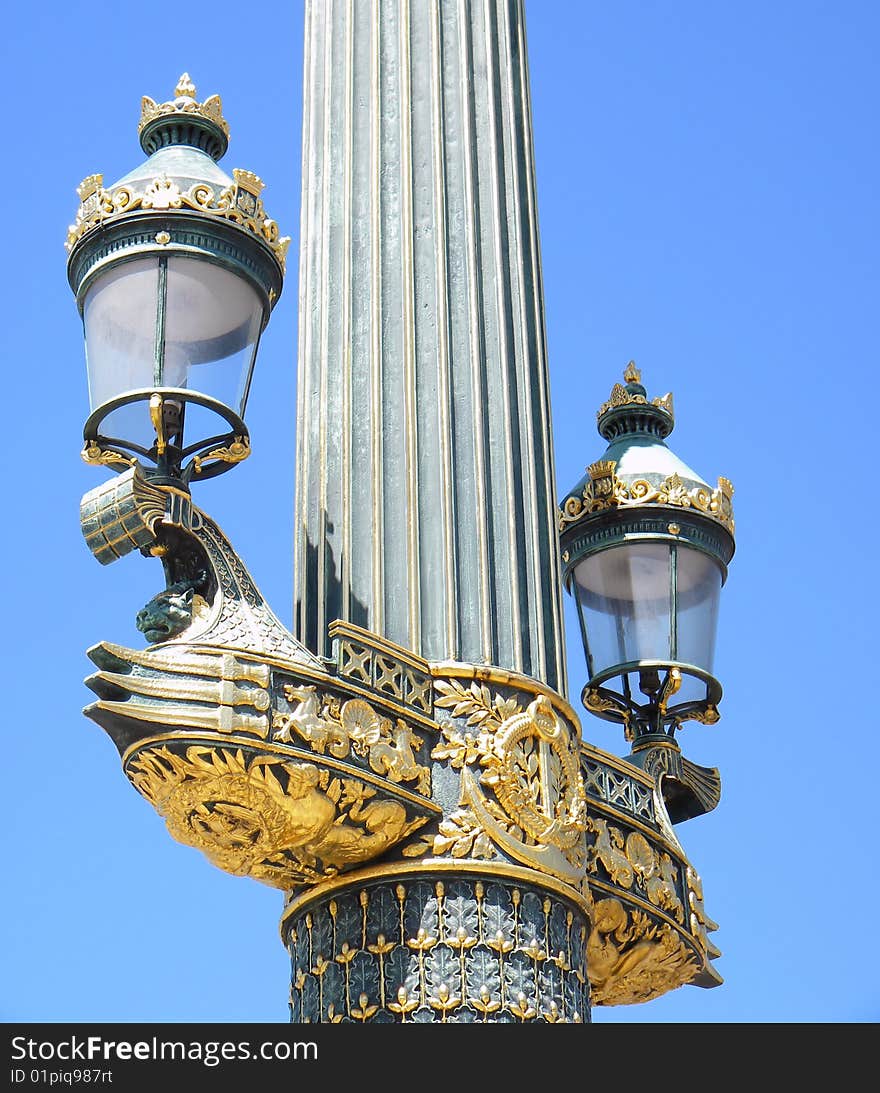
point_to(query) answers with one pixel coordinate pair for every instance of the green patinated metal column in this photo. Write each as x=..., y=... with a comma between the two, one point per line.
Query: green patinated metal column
x=425, y=489
x=426, y=510
x=427, y=565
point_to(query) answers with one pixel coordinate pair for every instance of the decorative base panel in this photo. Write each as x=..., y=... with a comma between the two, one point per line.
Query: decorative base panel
x=454, y=950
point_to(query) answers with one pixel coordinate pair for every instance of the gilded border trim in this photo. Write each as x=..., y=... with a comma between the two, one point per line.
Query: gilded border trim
x=398, y=871
x=502, y=677
x=266, y=747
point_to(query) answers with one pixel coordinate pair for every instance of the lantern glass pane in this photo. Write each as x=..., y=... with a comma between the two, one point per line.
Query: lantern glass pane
x=698, y=586
x=213, y=319
x=119, y=322
x=624, y=597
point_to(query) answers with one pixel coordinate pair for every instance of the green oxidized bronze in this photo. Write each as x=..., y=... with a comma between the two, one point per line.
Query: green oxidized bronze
x=444, y=837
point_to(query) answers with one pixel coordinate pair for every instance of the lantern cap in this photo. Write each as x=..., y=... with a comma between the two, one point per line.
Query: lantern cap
x=628, y=410
x=184, y=120
x=638, y=468
x=180, y=182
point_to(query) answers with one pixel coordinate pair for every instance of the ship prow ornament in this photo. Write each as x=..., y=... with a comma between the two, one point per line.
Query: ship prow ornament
x=309, y=774
x=202, y=717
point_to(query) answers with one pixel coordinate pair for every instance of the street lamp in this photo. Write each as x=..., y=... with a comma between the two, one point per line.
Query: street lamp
x=451, y=849
x=645, y=548
x=176, y=269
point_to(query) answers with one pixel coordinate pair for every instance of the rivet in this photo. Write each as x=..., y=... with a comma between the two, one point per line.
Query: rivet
x=674, y=529
x=162, y=238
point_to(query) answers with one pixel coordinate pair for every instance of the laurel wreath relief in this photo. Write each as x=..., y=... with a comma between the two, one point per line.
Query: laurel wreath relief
x=507, y=748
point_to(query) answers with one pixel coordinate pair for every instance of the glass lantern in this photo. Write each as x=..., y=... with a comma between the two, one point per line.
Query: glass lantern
x=645, y=547
x=176, y=269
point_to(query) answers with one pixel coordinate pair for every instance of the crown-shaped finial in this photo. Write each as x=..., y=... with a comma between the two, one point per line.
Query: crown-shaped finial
x=632, y=396
x=188, y=121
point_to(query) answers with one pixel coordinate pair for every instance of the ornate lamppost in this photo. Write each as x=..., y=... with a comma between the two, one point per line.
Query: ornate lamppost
x=645, y=545
x=450, y=849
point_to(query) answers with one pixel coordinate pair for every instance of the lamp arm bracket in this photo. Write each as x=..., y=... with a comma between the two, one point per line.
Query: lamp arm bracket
x=210, y=595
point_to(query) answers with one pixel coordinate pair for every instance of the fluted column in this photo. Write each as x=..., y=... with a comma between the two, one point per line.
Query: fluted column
x=425, y=480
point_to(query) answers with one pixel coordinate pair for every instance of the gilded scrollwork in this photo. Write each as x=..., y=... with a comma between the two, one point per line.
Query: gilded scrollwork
x=352, y=726
x=96, y=456
x=235, y=452
x=604, y=490
x=282, y=822
x=707, y=716
x=600, y=701
x=239, y=202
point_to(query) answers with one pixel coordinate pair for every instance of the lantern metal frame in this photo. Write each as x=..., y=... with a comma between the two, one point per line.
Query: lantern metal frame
x=214, y=219
x=606, y=511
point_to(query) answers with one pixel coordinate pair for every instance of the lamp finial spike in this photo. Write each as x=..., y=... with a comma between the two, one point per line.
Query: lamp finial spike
x=185, y=89
x=632, y=374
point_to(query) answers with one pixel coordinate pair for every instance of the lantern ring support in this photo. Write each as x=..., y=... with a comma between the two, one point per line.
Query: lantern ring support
x=657, y=714
x=223, y=449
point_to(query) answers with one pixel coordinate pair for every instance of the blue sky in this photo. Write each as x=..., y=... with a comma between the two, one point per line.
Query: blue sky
x=708, y=202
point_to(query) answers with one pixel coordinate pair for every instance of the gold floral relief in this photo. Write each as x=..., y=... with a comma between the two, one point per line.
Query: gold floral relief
x=632, y=861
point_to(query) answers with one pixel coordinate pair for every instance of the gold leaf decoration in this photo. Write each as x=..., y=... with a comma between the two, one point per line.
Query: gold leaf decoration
x=237, y=203
x=391, y=749
x=605, y=492
x=279, y=821
x=632, y=959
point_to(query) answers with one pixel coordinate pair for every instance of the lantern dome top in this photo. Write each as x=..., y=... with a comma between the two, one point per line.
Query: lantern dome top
x=638, y=468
